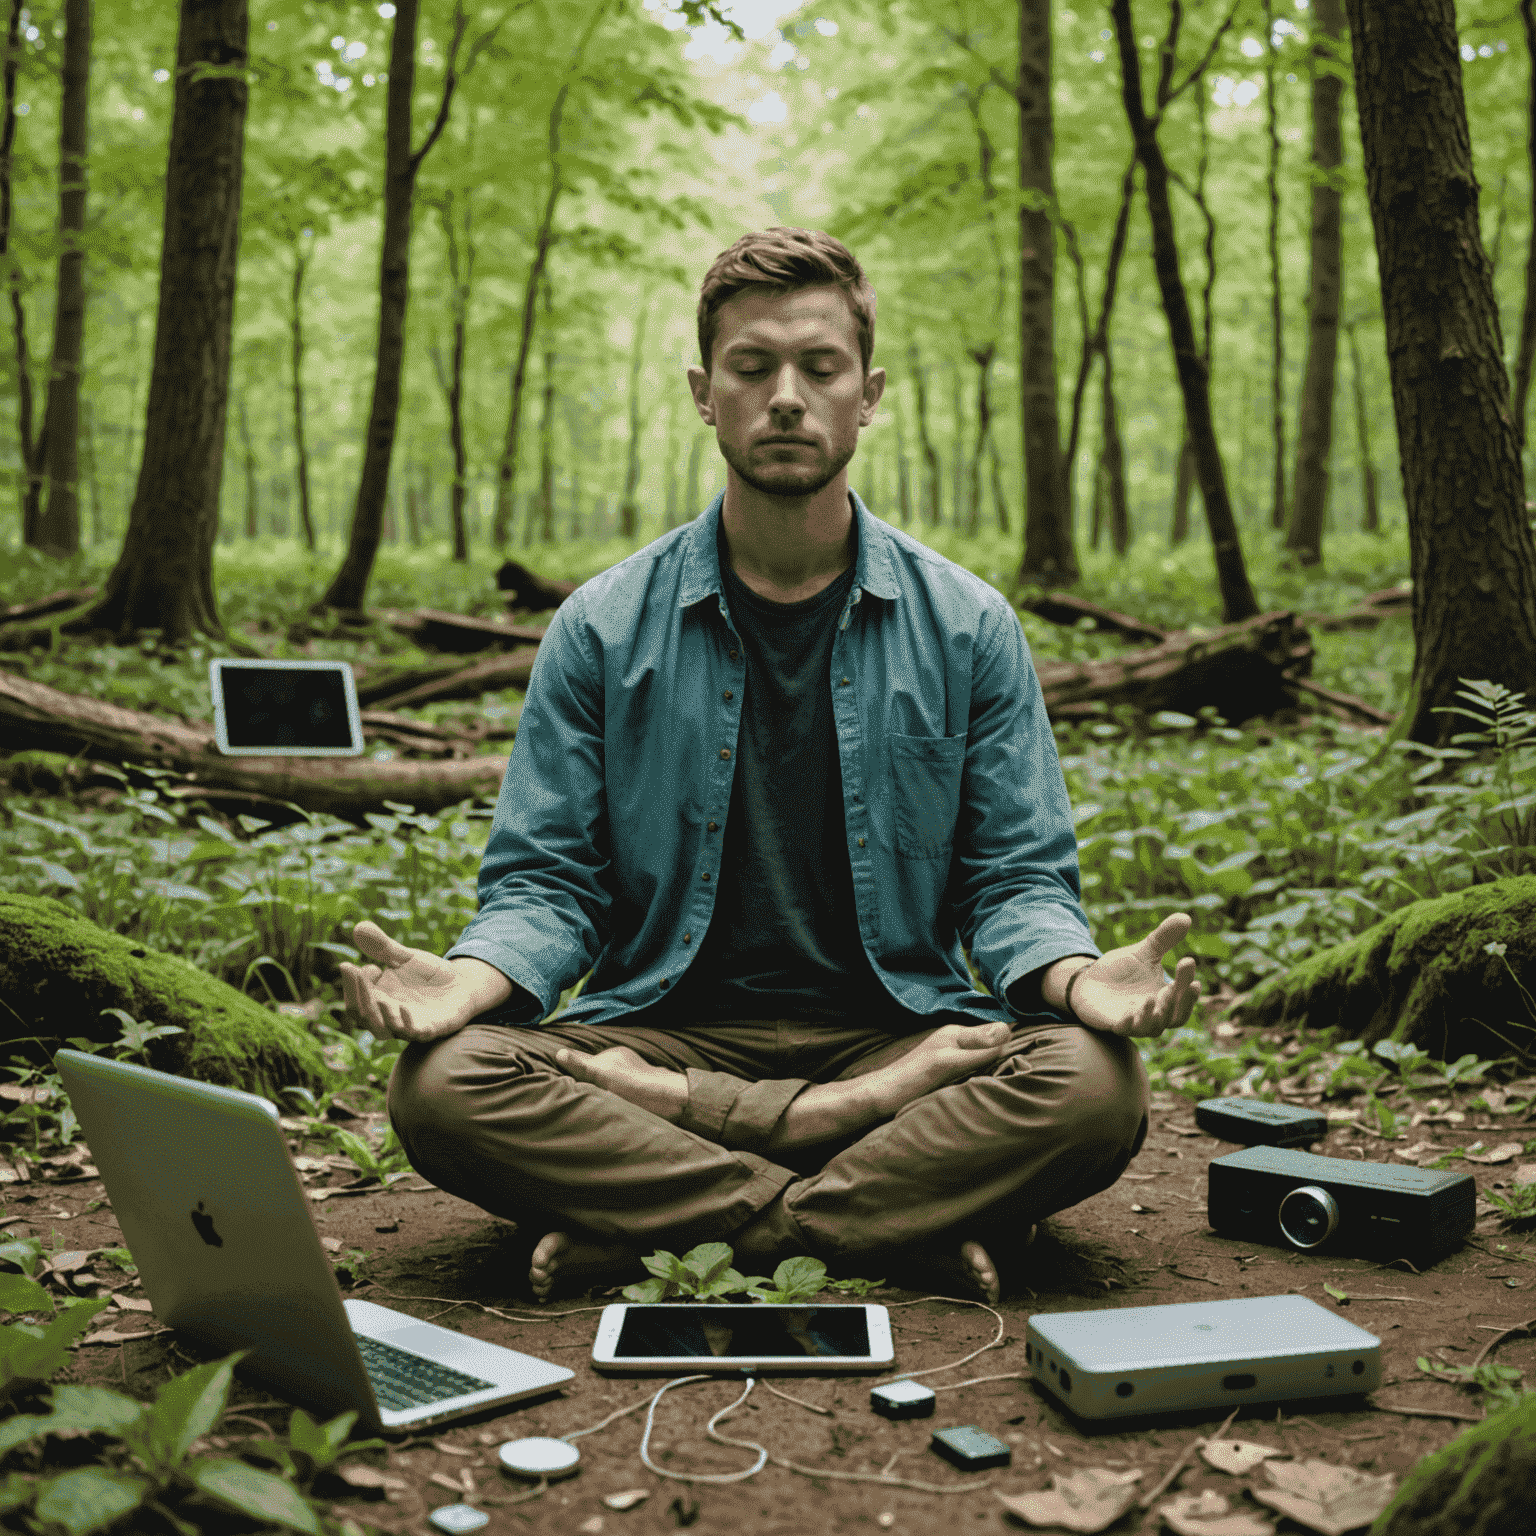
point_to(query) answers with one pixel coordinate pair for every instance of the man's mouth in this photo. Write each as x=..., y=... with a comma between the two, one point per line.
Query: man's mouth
x=800, y=442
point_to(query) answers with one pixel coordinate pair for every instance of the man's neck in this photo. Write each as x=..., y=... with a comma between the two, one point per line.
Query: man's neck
x=788, y=548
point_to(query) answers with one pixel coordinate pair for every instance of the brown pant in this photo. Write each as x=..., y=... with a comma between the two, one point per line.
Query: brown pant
x=487, y=1115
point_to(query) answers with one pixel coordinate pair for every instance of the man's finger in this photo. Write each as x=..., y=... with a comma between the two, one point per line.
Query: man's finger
x=1166, y=935
x=378, y=945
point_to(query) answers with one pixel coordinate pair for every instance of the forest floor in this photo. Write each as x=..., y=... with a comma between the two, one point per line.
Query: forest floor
x=1142, y=1242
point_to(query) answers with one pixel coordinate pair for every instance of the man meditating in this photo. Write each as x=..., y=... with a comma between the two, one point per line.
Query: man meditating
x=777, y=775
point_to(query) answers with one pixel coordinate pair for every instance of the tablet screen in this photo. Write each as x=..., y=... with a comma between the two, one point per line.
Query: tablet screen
x=286, y=707
x=755, y=1333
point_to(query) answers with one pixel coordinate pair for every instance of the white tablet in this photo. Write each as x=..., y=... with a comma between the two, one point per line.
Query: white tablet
x=693, y=1337
x=285, y=708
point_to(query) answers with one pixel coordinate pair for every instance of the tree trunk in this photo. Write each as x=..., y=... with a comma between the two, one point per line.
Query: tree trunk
x=349, y=586
x=58, y=526
x=412, y=507
x=933, y=508
x=982, y=357
x=999, y=496
x=454, y=384
x=1114, y=463
x=1472, y=557
x=1276, y=313
x=672, y=479
x=1183, y=492
x=1237, y=599
x=163, y=579
x=1527, y=349
x=903, y=465
x=300, y=446
x=1314, y=430
x=1048, y=558
x=695, y=453
x=547, y=431
x=31, y=454
x=249, y=455
x=629, y=512
x=958, y=458
x=1370, y=506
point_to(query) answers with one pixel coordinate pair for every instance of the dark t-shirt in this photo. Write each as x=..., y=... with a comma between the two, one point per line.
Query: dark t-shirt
x=783, y=941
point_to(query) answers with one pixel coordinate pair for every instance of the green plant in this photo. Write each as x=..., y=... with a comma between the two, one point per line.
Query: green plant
x=853, y=1286
x=385, y=1165
x=794, y=1281
x=1516, y=1207
x=1496, y=1382
x=352, y=1263
x=702, y=1274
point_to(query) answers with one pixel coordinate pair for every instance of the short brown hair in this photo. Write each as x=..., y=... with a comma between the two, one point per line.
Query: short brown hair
x=781, y=260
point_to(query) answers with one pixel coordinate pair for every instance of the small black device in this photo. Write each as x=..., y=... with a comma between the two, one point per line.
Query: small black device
x=903, y=1400
x=1253, y=1123
x=971, y=1449
x=1333, y=1205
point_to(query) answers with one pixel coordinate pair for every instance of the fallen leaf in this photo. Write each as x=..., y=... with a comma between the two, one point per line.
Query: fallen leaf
x=112, y=1336
x=132, y=1303
x=1338, y=1292
x=1324, y=1498
x=592, y=1527
x=310, y=1164
x=628, y=1498
x=1138, y=1176
x=1145, y=1210
x=1206, y=1514
x=360, y=1475
x=1237, y=1456
x=1185, y=1130
x=1525, y=1174
x=451, y=1484
x=1086, y=1501
x=68, y=1263
x=331, y=1244
x=1505, y=1152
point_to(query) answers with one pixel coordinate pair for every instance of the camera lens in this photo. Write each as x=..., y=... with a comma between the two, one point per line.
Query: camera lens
x=1308, y=1216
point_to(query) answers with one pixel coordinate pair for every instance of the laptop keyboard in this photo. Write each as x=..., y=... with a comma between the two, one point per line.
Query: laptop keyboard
x=404, y=1380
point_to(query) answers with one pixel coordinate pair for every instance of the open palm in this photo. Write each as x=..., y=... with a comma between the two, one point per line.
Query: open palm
x=408, y=993
x=1127, y=992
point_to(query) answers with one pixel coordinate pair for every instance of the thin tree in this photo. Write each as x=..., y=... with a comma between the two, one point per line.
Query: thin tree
x=163, y=579
x=461, y=271
x=1370, y=504
x=31, y=456
x=401, y=164
x=903, y=467
x=1314, y=428
x=1472, y=556
x=302, y=252
x=543, y=240
x=691, y=484
x=629, y=511
x=248, y=453
x=57, y=530
x=933, y=489
x=1237, y=598
x=1526, y=351
x=1277, y=504
x=1048, y=557
x=547, y=422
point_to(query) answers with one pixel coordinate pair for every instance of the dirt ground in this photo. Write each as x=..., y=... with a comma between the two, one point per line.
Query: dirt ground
x=1142, y=1242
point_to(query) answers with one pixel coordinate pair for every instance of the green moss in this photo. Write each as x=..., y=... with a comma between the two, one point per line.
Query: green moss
x=1482, y=1484
x=58, y=971
x=1423, y=975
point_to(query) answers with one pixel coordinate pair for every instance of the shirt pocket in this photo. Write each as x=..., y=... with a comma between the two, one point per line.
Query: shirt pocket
x=926, y=772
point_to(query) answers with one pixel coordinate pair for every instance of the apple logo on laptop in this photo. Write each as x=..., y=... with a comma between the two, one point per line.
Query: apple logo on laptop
x=204, y=1224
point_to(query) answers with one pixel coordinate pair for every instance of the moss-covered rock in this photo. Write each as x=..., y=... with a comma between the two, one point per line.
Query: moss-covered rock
x=59, y=970
x=1482, y=1484
x=1423, y=975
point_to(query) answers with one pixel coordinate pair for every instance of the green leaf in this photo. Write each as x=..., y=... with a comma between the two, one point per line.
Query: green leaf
x=358, y=1150
x=186, y=1407
x=1338, y=1292
x=20, y=1293
x=15, y=1491
x=653, y=1290
x=252, y=1492
x=90, y=1498
x=854, y=1286
x=800, y=1277
x=667, y=1266
x=707, y=1263
x=35, y=1354
x=79, y=1410
x=24, y=1252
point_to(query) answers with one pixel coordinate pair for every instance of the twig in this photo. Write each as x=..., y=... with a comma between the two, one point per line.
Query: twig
x=249, y=1419
x=790, y=1398
x=1149, y=1498
x=1494, y=1343
x=1431, y=1413
x=977, y=1380
x=1204, y=1279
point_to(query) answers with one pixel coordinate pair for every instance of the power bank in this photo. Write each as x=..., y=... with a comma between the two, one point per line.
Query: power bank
x=971, y=1449
x=1255, y=1123
x=903, y=1400
x=1125, y=1361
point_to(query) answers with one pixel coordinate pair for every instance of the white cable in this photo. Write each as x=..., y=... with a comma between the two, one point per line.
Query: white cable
x=709, y=1429
x=933, y=1370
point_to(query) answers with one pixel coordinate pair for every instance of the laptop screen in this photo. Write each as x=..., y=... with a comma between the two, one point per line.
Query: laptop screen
x=286, y=708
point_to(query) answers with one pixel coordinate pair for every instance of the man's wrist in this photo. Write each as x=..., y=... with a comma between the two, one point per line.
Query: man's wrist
x=480, y=986
x=1054, y=979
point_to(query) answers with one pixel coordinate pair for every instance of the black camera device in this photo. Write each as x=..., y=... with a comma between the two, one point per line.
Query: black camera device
x=1338, y=1206
x=1255, y=1123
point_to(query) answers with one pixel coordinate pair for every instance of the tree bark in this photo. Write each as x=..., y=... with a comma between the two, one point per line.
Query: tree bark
x=296, y=336
x=58, y=526
x=1183, y=492
x=1314, y=429
x=31, y=457
x=349, y=586
x=1526, y=351
x=1237, y=598
x=691, y=485
x=1276, y=307
x=163, y=579
x=1048, y=557
x=1472, y=557
x=933, y=489
x=982, y=357
x=547, y=427
x=903, y=466
x=461, y=273
x=249, y=455
x=1370, y=505
x=1113, y=462
x=629, y=512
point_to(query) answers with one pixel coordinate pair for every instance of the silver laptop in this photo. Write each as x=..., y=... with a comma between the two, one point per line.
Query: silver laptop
x=285, y=708
x=1123, y=1361
x=202, y=1184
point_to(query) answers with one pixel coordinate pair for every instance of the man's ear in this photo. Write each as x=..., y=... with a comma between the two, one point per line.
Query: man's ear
x=874, y=388
x=698, y=384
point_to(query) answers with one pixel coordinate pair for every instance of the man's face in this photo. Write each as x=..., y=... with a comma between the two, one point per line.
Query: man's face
x=786, y=392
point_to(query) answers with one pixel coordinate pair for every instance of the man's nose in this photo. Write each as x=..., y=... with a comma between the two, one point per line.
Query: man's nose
x=787, y=399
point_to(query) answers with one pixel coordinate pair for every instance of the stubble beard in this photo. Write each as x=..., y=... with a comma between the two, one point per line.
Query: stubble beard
x=792, y=481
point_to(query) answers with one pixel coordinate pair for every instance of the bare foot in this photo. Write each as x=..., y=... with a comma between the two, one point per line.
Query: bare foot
x=625, y=1073
x=974, y=1269
x=558, y=1253
x=951, y=1052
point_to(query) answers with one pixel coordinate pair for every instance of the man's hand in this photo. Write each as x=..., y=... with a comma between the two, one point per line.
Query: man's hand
x=1125, y=991
x=413, y=995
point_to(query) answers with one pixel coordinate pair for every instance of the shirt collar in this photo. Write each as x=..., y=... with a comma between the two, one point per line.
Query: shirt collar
x=701, y=556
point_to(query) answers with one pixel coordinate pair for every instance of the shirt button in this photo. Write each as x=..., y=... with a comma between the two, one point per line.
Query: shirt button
x=732, y=655
x=729, y=694
x=725, y=752
x=705, y=875
x=687, y=938
x=664, y=983
x=714, y=826
x=861, y=842
x=845, y=682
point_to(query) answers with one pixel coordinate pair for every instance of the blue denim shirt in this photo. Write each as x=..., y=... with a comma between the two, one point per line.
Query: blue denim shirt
x=607, y=835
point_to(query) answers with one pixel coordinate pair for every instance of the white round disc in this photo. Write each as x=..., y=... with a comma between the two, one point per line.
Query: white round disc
x=540, y=1457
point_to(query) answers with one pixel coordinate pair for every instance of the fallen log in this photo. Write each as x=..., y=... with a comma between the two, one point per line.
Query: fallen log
x=34, y=716
x=41, y=607
x=1346, y=705
x=489, y=676
x=1064, y=608
x=459, y=633
x=1242, y=669
x=523, y=588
